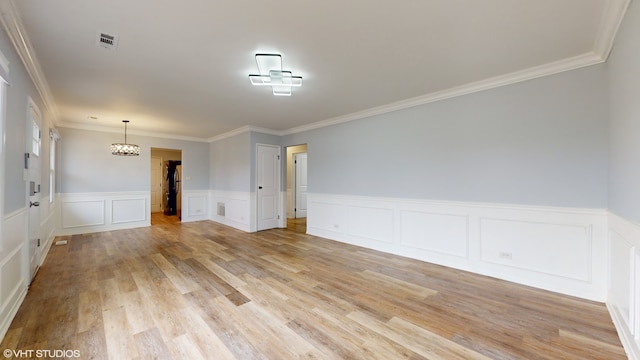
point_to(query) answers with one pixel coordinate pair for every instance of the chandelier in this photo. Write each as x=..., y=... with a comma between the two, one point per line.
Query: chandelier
x=124, y=149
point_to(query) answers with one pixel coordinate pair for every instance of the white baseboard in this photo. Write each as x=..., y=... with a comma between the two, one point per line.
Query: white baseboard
x=11, y=309
x=624, y=281
x=626, y=338
x=82, y=213
x=557, y=249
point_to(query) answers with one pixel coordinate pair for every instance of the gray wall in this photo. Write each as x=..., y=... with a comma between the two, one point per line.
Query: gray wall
x=623, y=70
x=88, y=166
x=233, y=161
x=539, y=142
x=18, y=91
x=230, y=166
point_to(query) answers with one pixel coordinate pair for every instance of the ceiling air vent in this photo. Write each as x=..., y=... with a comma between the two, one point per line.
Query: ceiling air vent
x=107, y=41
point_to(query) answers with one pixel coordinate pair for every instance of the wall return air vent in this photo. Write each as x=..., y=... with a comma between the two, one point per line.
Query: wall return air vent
x=107, y=41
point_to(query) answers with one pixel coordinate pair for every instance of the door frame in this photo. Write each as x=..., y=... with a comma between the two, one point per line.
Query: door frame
x=32, y=266
x=166, y=154
x=294, y=185
x=161, y=181
x=256, y=202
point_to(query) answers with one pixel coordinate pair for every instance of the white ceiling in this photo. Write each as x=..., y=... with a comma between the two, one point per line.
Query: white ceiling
x=181, y=67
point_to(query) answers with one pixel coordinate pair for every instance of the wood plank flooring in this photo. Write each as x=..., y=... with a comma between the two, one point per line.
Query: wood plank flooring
x=206, y=291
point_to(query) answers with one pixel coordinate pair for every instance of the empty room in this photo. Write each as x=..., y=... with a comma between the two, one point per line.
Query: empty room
x=330, y=180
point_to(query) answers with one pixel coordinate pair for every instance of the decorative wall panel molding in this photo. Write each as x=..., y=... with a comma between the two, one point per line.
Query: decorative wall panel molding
x=624, y=282
x=441, y=233
x=48, y=228
x=195, y=205
x=237, y=209
x=83, y=213
x=93, y=212
x=545, y=244
x=128, y=210
x=13, y=266
x=557, y=249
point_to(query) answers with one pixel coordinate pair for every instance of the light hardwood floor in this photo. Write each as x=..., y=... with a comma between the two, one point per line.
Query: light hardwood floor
x=206, y=291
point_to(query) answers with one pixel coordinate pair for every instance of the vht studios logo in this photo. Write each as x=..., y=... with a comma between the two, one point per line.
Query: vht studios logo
x=8, y=353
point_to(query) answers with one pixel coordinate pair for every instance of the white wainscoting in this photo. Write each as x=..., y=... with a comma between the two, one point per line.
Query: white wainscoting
x=237, y=208
x=557, y=249
x=93, y=212
x=13, y=266
x=195, y=205
x=48, y=226
x=624, y=282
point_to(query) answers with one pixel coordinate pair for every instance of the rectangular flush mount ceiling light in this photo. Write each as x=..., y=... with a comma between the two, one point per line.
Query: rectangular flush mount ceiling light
x=271, y=74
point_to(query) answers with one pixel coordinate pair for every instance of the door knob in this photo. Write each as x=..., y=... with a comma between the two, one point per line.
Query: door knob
x=34, y=204
x=260, y=187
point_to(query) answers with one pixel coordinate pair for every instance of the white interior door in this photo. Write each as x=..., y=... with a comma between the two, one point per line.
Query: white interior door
x=156, y=184
x=268, y=183
x=179, y=190
x=32, y=163
x=300, y=164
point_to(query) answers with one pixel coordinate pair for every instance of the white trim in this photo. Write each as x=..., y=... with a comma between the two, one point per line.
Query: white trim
x=4, y=64
x=244, y=129
x=13, y=214
x=557, y=249
x=12, y=304
x=14, y=226
x=48, y=226
x=487, y=84
x=10, y=17
x=611, y=20
x=238, y=208
x=623, y=301
x=626, y=338
x=195, y=205
x=3, y=127
x=95, y=212
x=573, y=63
x=106, y=129
x=609, y=24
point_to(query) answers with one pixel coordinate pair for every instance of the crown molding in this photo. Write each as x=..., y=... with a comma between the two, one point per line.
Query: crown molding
x=247, y=128
x=612, y=17
x=556, y=67
x=610, y=22
x=10, y=18
x=494, y=82
x=229, y=134
x=79, y=126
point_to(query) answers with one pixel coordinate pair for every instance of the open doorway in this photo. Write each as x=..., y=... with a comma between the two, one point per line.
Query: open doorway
x=297, y=188
x=166, y=185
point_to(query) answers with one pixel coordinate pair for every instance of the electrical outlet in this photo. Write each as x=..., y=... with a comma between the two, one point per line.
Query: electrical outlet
x=505, y=255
